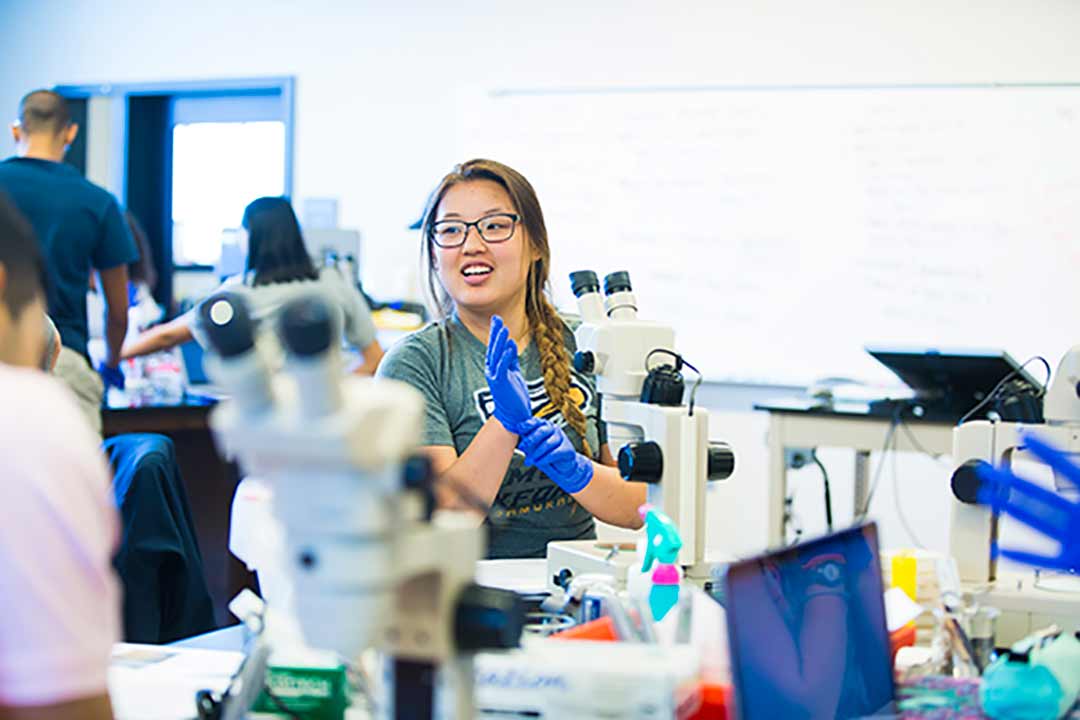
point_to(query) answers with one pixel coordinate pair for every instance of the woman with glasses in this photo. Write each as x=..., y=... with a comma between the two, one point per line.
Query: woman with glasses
x=279, y=269
x=513, y=435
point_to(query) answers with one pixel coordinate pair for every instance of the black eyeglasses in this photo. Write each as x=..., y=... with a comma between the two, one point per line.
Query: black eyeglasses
x=495, y=228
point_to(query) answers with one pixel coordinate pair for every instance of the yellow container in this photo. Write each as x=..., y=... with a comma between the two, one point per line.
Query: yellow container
x=904, y=573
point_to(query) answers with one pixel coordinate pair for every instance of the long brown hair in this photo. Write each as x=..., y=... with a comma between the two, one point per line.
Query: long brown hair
x=546, y=325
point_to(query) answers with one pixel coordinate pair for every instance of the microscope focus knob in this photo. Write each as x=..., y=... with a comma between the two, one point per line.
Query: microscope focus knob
x=488, y=619
x=966, y=482
x=641, y=462
x=721, y=461
x=418, y=475
x=585, y=362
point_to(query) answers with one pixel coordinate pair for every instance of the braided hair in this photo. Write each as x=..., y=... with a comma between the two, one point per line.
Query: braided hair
x=546, y=325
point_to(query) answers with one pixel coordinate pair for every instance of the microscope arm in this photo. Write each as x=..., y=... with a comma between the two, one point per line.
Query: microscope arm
x=1035, y=506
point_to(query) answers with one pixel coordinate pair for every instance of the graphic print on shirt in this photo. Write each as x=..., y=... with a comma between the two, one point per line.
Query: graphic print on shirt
x=520, y=494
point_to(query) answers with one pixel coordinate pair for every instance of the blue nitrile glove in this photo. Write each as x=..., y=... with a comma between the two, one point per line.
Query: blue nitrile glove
x=549, y=449
x=111, y=376
x=1035, y=506
x=508, y=388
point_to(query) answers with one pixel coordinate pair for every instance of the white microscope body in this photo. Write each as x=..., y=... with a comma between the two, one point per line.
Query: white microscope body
x=974, y=528
x=366, y=567
x=664, y=442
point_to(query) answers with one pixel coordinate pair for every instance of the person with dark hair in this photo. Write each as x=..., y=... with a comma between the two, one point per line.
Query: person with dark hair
x=486, y=255
x=143, y=310
x=141, y=272
x=61, y=602
x=80, y=228
x=279, y=269
x=22, y=277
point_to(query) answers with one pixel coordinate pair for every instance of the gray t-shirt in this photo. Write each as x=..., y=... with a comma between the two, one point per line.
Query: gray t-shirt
x=445, y=362
x=265, y=301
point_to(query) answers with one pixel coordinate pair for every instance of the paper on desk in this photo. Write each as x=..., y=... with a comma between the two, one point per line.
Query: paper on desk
x=522, y=576
x=900, y=609
x=154, y=682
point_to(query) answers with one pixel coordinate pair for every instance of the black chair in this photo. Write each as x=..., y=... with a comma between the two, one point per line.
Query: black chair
x=164, y=587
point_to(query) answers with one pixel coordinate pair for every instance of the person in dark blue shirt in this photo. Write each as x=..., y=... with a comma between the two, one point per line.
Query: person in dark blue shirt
x=81, y=229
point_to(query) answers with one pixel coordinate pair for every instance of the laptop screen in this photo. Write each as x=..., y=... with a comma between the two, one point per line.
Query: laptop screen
x=806, y=626
x=949, y=383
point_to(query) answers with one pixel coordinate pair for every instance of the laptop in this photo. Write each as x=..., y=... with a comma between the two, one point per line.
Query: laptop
x=196, y=382
x=807, y=633
x=950, y=383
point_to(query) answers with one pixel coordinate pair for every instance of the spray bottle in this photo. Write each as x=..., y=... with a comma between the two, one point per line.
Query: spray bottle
x=662, y=547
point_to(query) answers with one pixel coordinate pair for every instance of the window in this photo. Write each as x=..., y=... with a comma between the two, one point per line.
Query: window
x=218, y=168
x=226, y=151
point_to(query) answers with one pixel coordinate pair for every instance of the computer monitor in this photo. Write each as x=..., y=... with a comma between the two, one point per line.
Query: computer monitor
x=948, y=383
x=191, y=353
x=806, y=628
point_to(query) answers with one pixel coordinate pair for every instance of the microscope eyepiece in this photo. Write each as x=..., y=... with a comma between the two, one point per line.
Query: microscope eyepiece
x=307, y=328
x=617, y=282
x=583, y=282
x=228, y=324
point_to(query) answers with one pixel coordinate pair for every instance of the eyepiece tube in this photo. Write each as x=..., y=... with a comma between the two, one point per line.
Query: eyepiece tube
x=228, y=324
x=586, y=289
x=307, y=327
x=618, y=281
x=584, y=281
x=231, y=331
x=620, y=301
x=309, y=332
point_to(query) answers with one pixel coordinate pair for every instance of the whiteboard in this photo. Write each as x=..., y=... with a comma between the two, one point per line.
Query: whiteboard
x=780, y=230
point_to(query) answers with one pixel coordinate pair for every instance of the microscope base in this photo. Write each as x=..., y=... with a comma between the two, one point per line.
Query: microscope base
x=1026, y=608
x=590, y=556
x=583, y=557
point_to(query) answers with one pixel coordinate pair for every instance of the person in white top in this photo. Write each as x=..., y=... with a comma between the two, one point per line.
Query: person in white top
x=59, y=596
x=143, y=309
x=279, y=269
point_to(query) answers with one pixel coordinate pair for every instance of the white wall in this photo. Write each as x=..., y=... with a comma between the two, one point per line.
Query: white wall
x=381, y=89
x=378, y=83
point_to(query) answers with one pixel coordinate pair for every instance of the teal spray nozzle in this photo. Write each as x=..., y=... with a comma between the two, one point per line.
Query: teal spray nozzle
x=663, y=542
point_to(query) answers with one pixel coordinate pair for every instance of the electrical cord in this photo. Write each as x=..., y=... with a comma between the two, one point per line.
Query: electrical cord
x=920, y=447
x=899, y=506
x=914, y=440
x=280, y=704
x=890, y=442
x=992, y=395
x=672, y=353
x=237, y=694
x=697, y=384
x=791, y=520
x=890, y=447
x=828, y=492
